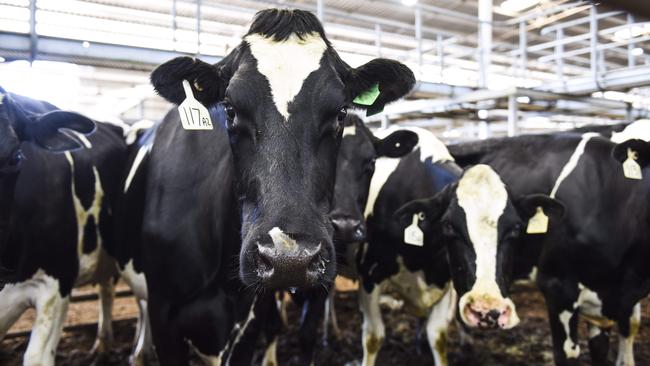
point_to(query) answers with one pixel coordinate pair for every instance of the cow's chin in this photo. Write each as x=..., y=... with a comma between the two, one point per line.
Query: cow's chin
x=303, y=267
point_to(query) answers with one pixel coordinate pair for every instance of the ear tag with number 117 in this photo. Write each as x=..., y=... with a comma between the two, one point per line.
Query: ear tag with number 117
x=194, y=116
x=413, y=234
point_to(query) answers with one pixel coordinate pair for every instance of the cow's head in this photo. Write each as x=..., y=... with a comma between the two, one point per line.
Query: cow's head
x=286, y=93
x=354, y=169
x=54, y=131
x=480, y=223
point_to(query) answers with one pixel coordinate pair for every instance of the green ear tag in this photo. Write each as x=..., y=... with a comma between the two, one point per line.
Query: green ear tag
x=368, y=97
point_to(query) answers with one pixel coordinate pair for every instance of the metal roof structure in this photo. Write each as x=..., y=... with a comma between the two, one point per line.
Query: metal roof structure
x=552, y=48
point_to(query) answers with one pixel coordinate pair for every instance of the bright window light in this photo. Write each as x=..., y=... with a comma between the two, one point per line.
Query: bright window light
x=409, y=2
x=518, y=5
x=637, y=51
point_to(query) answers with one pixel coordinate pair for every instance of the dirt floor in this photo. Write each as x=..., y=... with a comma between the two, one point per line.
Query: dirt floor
x=528, y=344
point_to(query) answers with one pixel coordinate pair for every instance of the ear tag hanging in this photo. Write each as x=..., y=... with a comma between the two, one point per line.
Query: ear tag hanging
x=413, y=234
x=194, y=116
x=368, y=98
x=538, y=224
x=632, y=169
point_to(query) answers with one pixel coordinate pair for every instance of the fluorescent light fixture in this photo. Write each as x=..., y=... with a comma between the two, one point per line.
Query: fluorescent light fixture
x=523, y=100
x=409, y=2
x=518, y=5
x=85, y=44
x=482, y=113
x=2, y=59
x=638, y=51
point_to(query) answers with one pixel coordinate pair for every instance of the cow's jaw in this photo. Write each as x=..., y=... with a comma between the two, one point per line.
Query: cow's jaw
x=483, y=197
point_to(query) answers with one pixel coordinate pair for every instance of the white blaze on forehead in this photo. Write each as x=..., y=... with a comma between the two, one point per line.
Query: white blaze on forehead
x=483, y=197
x=286, y=64
x=639, y=129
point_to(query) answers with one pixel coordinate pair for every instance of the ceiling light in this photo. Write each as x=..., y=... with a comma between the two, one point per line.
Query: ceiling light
x=482, y=113
x=409, y=2
x=638, y=51
x=523, y=100
x=518, y=5
x=2, y=59
x=85, y=44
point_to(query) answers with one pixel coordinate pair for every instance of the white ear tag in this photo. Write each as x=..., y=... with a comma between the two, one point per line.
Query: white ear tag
x=538, y=224
x=194, y=116
x=632, y=169
x=412, y=234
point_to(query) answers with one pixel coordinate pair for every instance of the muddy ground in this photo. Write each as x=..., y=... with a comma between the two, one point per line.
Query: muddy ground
x=528, y=344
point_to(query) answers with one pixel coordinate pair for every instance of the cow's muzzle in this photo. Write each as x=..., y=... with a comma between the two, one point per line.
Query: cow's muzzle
x=488, y=312
x=349, y=230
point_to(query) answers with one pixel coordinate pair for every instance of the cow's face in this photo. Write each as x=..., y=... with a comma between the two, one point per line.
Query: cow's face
x=480, y=224
x=354, y=169
x=285, y=92
x=54, y=131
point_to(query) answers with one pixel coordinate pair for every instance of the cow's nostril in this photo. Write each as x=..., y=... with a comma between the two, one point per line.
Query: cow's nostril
x=494, y=314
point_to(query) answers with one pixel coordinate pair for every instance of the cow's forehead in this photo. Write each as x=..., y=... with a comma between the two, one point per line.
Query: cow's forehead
x=286, y=64
x=482, y=195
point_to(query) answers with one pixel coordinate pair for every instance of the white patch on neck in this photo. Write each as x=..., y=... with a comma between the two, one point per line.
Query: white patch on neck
x=84, y=140
x=573, y=161
x=139, y=157
x=350, y=131
x=483, y=197
x=639, y=129
x=287, y=64
x=281, y=240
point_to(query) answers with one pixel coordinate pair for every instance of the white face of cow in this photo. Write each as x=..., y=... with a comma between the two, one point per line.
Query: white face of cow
x=483, y=198
x=284, y=91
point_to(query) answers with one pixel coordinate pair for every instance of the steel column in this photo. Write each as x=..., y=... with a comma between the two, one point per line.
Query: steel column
x=33, y=38
x=513, y=112
x=485, y=41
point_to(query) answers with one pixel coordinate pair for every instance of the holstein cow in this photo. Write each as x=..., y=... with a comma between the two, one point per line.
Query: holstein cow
x=255, y=191
x=354, y=168
x=55, y=220
x=463, y=233
x=592, y=262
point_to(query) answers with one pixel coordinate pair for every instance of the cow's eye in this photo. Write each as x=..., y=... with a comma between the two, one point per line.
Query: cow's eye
x=16, y=159
x=514, y=232
x=343, y=112
x=230, y=111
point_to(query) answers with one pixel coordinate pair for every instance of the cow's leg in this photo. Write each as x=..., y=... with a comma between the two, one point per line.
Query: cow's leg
x=560, y=297
x=105, y=322
x=598, y=345
x=51, y=310
x=272, y=328
x=313, y=309
x=171, y=348
x=441, y=315
x=142, y=345
x=14, y=300
x=373, y=325
x=628, y=331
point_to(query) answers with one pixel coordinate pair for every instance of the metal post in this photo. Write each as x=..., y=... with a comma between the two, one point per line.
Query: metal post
x=593, y=30
x=513, y=112
x=33, y=39
x=559, y=55
x=441, y=55
x=174, y=24
x=485, y=40
x=630, y=57
x=378, y=39
x=384, y=122
x=522, y=48
x=319, y=10
x=418, y=37
x=198, y=27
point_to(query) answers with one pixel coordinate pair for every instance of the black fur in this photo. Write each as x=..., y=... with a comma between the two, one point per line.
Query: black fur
x=280, y=24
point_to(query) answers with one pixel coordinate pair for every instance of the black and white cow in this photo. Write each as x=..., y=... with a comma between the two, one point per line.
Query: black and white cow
x=592, y=262
x=467, y=220
x=255, y=191
x=58, y=189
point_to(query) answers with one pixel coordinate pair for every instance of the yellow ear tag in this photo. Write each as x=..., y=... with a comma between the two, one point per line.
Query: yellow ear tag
x=413, y=234
x=632, y=169
x=538, y=224
x=194, y=116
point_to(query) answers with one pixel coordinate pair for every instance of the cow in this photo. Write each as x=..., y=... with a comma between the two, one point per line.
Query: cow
x=421, y=192
x=590, y=263
x=244, y=205
x=60, y=174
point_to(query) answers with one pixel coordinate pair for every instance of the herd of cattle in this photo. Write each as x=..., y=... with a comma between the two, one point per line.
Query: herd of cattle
x=286, y=190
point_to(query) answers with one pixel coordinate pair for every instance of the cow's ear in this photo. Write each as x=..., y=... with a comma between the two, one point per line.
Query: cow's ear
x=56, y=131
x=431, y=208
x=397, y=144
x=638, y=148
x=206, y=80
x=527, y=206
x=380, y=81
